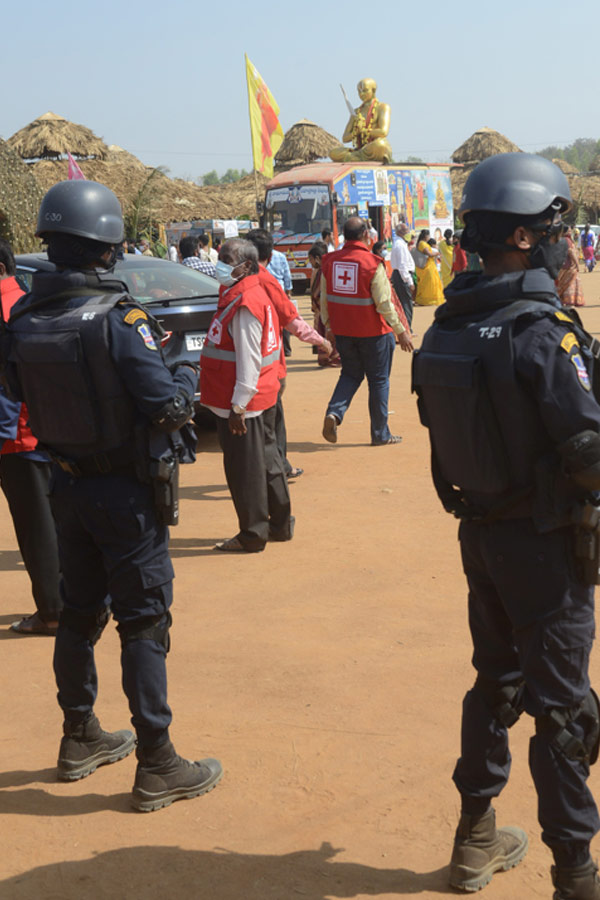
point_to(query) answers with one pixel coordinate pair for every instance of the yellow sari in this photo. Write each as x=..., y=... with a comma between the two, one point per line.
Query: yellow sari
x=429, y=284
x=446, y=255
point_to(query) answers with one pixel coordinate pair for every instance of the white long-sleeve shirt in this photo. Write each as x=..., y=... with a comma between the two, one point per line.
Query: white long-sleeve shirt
x=246, y=333
x=402, y=260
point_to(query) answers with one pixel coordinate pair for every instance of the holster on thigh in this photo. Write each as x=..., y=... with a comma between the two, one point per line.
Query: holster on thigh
x=557, y=726
x=147, y=628
x=504, y=700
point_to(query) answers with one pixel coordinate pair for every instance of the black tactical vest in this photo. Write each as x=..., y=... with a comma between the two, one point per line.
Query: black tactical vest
x=78, y=405
x=486, y=432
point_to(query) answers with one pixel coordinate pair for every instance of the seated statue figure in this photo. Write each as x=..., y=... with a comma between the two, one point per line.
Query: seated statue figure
x=367, y=128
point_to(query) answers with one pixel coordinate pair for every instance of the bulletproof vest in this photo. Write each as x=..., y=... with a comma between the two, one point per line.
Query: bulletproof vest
x=486, y=432
x=78, y=404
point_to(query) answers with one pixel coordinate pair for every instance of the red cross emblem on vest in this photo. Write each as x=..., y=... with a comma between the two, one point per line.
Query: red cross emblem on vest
x=345, y=277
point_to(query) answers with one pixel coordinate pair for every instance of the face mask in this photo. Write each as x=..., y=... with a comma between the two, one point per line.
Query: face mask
x=551, y=257
x=223, y=274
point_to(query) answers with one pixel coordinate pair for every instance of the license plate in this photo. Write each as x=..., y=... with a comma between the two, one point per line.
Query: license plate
x=194, y=341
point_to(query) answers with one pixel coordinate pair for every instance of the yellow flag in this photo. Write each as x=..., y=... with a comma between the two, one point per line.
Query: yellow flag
x=267, y=133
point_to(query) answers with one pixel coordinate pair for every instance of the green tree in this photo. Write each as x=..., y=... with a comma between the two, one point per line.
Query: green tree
x=580, y=153
x=210, y=178
x=230, y=176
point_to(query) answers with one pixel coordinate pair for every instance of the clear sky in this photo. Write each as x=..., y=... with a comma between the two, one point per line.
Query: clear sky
x=166, y=80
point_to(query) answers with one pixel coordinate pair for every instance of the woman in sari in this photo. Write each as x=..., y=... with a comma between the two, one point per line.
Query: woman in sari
x=568, y=284
x=587, y=248
x=446, y=248
x=315, y=255
x=429, y=284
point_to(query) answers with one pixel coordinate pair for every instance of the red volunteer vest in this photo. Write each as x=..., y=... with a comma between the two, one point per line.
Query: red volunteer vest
x=348, y=273
x=285, y=309
x=10, y=291
x=217, y=363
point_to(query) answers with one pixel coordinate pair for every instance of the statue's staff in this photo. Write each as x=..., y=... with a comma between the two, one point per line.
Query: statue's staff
x=348, y=104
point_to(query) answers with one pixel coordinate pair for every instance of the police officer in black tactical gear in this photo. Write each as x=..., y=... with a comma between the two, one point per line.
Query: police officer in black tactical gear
x=505, y=385
x=84, y=357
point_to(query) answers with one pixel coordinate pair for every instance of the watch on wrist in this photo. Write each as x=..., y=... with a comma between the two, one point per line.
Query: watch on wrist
x=238, y=410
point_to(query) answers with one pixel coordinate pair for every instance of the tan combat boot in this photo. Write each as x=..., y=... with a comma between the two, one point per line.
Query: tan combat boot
x=577, y=883
x=480, y=849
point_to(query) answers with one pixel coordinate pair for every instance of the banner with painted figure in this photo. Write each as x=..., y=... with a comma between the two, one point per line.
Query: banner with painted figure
x=439, y=192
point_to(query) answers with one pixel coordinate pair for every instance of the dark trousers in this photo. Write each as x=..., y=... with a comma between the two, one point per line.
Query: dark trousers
x=371, y=357
x=25, y=485
x=113, y=552
x=280, y=429
x=256, y=480
x=287, y=344
x=404, y=293
x=530, y=619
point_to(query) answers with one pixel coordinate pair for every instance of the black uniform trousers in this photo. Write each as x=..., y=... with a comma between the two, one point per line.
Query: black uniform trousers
x=531, y=619
x=113, y=552
x=257, y=481
x=25, y=485
x=404, y=294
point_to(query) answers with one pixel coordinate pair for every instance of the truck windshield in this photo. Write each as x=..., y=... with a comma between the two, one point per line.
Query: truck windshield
x=299, y=209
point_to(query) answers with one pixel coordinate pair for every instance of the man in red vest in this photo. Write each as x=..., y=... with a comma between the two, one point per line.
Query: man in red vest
x=24, y=477
x=239, y=382
x=356, y=303
x=289, y=319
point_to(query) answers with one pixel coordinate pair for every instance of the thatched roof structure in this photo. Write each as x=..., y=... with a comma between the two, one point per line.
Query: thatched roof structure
x=566, y=167
x=52, y=137
x=161, y=199
x=483, y=143
x=303, y=143
x=595, y=164
x=20, y=198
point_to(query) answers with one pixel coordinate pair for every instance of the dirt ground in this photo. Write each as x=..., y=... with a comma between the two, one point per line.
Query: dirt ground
x=327, y=674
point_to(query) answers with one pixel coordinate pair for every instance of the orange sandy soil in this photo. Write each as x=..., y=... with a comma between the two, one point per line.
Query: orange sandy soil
x=327, y=674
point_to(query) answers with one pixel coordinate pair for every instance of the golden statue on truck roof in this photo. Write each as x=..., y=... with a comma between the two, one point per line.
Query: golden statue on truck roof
x=367, y=128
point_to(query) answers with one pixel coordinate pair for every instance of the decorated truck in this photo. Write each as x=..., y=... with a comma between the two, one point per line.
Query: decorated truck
x=303, y=201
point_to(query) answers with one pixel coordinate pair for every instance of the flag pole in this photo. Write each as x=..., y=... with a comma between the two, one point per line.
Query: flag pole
x=251, y=140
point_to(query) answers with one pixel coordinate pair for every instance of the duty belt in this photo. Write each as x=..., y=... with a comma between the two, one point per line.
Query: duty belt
x=96, y=464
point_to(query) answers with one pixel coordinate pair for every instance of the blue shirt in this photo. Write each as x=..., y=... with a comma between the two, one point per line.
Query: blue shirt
x=280, y=269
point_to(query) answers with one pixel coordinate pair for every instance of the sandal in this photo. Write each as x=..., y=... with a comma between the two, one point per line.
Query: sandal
x=234, y=545
x=393, y=439
x=34, y=625
x=295, y=472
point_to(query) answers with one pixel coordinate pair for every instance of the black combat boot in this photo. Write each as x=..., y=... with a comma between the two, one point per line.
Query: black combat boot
x=162, y=777
x=576, y=883
x=85, y=747
x=480, y=849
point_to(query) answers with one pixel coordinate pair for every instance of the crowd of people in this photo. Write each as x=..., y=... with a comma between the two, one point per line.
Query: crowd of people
x=515, y=447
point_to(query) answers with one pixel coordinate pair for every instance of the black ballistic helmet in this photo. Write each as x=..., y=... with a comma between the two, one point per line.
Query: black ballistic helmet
x=82, y=208
x=523, y=184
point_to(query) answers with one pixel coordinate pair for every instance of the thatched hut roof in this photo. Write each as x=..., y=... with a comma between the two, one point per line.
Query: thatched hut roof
x=566, y=167
x=595, y=164
x=20, y=198
x=303, y=143
x=51, y=137
x=483, y=143
x=164, y=199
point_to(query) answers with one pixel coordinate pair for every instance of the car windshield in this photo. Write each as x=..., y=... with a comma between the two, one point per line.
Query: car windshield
x=148, y=279
x=158, y=279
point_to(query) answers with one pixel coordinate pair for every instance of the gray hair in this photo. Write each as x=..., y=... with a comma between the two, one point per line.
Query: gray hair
x=240, y=250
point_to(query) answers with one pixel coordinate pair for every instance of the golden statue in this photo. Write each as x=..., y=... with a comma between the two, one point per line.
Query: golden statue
x=440, y=210
x=367, y=128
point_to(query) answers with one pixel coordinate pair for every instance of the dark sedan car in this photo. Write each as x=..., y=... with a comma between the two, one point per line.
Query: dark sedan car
x=182, y=299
